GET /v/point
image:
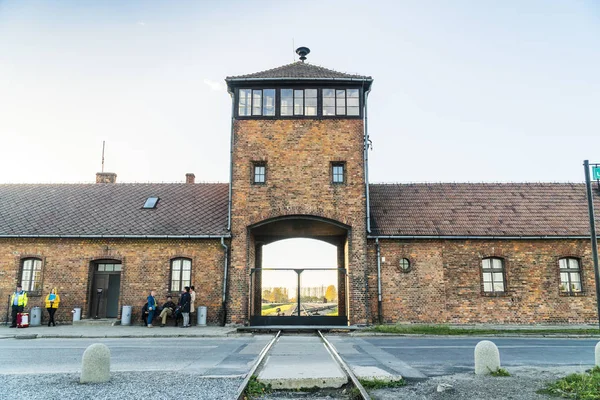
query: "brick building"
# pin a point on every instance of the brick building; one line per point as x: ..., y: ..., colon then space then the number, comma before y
x: 444, y: 253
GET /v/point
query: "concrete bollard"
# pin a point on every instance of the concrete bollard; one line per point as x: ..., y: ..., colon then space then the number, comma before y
x: 598, y: 354
x: 95, y: 366
x: 487, y: 358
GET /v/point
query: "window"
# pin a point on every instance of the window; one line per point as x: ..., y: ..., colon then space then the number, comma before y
x: 259, y: 173
x: 299, y: 102
x: 570, y: 275
x: 31, y: 275
x: 337, y: 172
x: 103, y: 267
x: 150, y: 202
x: 181, y: 274
x: 256, y: 102
x: 493, y: 275
x: 404, y: 264
x: 341, y: 102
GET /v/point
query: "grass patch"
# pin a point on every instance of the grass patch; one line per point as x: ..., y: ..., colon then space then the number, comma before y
x: 256, y: 389
x: 381, y: 384
x: 270, y: 305
x: 585, y: 386
x: 499, y: 372
x: 445, y: 330
x: 273, y: 310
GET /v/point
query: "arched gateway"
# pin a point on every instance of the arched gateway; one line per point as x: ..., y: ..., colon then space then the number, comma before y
x: 298, y: 157
x: 299, y: 293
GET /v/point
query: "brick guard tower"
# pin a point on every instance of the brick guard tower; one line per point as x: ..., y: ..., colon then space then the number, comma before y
x: 298, y: 170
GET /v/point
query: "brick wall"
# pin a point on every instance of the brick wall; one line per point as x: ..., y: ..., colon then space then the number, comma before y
x: 146, y: 265
x: 444, y: 284
x: 298, y: 154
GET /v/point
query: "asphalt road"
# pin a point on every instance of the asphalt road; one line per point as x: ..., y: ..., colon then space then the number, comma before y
x: 204, y: 356
x: 444, y: 356
x: 233, y: 357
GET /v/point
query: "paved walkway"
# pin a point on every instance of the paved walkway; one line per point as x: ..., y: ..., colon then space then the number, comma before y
x: 119, y: 331
x: 75, y: 331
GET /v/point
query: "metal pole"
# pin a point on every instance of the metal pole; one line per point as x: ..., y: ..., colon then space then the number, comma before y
x: 298, y: 271
x: 588, y: 185
x: 7, y: 309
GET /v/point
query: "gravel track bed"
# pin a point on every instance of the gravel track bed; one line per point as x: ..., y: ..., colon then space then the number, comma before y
x: 521, y: 385
x: 123, y: 386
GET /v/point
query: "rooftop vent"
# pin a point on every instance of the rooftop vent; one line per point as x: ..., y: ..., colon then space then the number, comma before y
x: 302, y: 52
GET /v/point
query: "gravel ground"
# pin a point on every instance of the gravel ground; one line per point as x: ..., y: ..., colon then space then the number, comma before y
x: 123, y: 386
x: 522, y: 385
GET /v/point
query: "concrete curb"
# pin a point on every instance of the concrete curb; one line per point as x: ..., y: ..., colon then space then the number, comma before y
x: 486, y: 335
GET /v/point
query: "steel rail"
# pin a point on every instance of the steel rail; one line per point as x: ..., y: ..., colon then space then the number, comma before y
x: 363, y: 393
x: 261, y: 356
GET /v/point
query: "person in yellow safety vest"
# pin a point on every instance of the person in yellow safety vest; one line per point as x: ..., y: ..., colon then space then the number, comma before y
x: 19, y: 302
x: 52, y: 302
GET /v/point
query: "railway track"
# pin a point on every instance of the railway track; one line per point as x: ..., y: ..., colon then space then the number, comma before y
x: 262, y: 359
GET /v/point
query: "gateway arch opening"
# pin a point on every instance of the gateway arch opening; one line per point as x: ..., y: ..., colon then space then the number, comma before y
x: 299, y: 275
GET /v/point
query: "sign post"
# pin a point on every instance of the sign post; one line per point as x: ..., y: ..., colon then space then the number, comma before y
x: 590, y: 199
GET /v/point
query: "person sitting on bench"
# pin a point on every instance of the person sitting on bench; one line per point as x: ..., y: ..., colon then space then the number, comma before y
x: 167, y: 311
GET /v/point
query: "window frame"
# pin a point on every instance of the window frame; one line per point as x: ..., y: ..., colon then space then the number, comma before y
x: 255, y: 165
x: 332, y: 167
x: 294, y: 86
x: 491, y: 270
x: 569, y: 271
x: 408, y: 262
x: 251, y: 107
x: 181, y: 281
x: 29, y: 285
x: 335, y: 102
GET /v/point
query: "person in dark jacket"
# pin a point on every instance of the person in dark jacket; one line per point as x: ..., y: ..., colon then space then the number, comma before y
x: 185, y: 301
x: 151, y: 308
x: 167, y: 310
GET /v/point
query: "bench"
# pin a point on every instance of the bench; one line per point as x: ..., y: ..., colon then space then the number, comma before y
x: 157, y: 320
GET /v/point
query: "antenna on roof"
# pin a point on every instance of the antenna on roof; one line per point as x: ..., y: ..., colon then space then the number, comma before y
x: 103, y: 156
x: 302, y: 52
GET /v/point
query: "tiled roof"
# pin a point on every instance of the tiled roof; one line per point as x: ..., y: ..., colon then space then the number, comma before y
x: 299, y: 70
x: 481, y: 209
x: 444, y: 209
x: 113, y: 209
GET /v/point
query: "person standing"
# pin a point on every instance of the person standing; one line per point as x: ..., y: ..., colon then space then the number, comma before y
x: 19, y: 302
x: 184, y: 302
x: 52, y: 302
x: 193, y: 300
x: 151, y: 308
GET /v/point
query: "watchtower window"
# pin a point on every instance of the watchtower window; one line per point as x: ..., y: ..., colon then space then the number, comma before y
x: 337, y: 172
x: 341, y: 102
x: 260, y: 173
x: 256, y: 102
x: 299, y: 102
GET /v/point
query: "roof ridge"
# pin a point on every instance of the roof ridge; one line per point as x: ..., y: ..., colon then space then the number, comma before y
x: 474, y: 183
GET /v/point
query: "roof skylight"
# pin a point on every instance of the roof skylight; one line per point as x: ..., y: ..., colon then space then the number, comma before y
x: 151, y: 202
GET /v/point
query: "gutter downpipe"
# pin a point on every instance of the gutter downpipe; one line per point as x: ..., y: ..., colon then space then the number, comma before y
x: 231, y: 161
x: 379, y: 298
x: 225, y: 267
x: 368, y: 212
x: 366, y: 161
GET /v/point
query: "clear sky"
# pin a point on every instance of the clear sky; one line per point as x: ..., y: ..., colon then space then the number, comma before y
x: 463, y: 91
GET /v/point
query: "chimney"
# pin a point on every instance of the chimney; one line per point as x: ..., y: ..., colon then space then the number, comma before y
x: 190, y: 178
x: 106, y: 177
